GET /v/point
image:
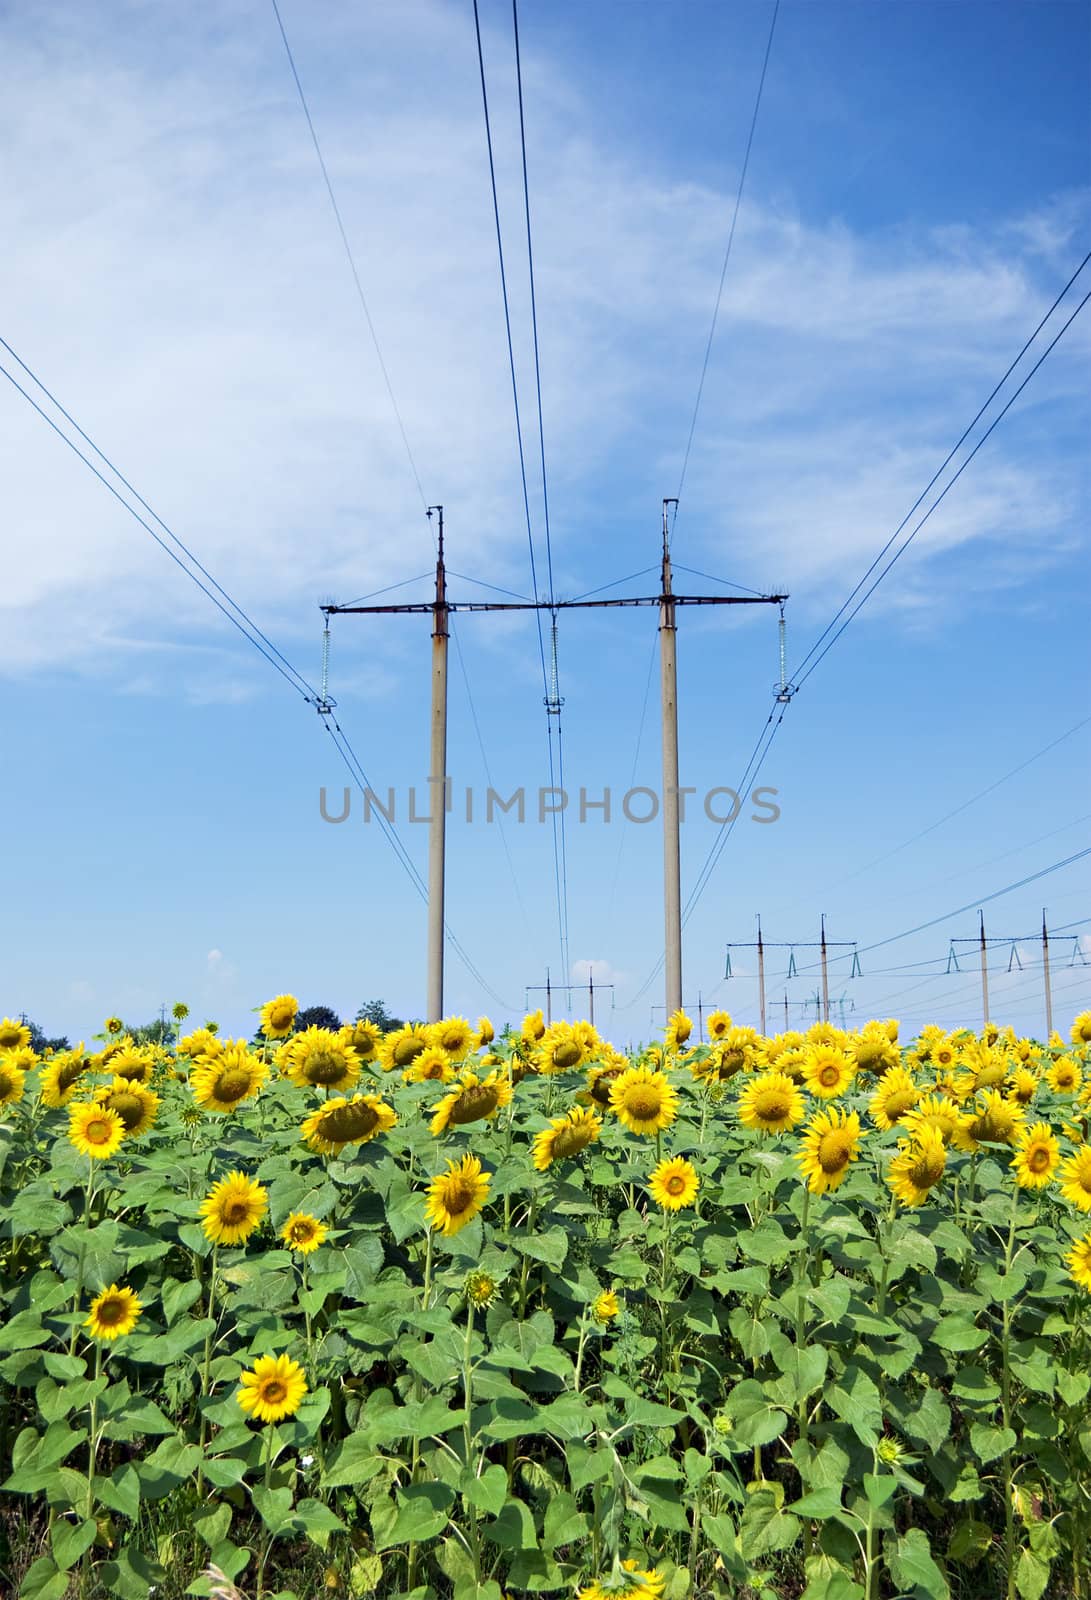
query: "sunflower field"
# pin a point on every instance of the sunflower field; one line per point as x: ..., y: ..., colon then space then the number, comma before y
x: 440, y: 1314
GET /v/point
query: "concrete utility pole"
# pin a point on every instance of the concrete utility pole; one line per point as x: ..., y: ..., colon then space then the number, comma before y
x: 1045, y: 970
x: 437, y: 779
x: 441, y: 609
x: 984, y: 974
x: 672, y: 860
x: 825, y: 975
x: 761, y: 979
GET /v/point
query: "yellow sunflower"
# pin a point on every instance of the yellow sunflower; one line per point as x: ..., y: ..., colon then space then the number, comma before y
x: 566, y: 1136
x: 95, y: 1131
x: 402, y: 1046
x: 362, y: 1036
x: 453, y: 1035
x: 1080, y: 1035
x: 318, y: 1059
x: 278, y: 1016
x: 1037, y: 1156
x: 1064, y: 1076
x: 457, y: 1195
x: 433, y: 1065
x: 828, y: 1071
x: 113, y: 1313
x: 600, y: 1080
x: 1023, y: 1085
x: 471, y: 1099
x: 626, y: 1582
x: 179, y: 1011
x: 533, y: 1027
x: 233, y: 1208
x: 113, y: 1025
x: 828, y: 1147
x: 480, y: 1288
x: 61, y: 1078
x: 994, y: 1120
x: 936, y: 1111
x: 825, y: 1033
x: 12, y: 1081
x: 1078, y: 1261
x: 222, y: 1082
x: 719, y: 1023
x: 273, y: 1389
x: 136, y: 1105
x: 201, y: 1042
x: 605, y: 1307
x: 485, y: 1034
x: 918, y: 1166
x: 643, y: 1100
x: 560, y: 1049
x: 1076, y: 1179
x: 770, y: 1103
x: 13, y: 1035
x: 674, y: 1183
x: 134, y: 1062
x: 303, y: 1233
x: 873, y: 1052
x: 896, y: 1094
x: 679, y: 1028
x: 340, y: 1122
x: 944, y: 1055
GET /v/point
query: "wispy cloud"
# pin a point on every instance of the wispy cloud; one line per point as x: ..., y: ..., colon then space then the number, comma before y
x: 172, y: 270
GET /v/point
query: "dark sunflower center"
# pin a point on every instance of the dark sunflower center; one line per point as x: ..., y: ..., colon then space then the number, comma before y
x: 129, y: 1107
x: 898, y: 1104
x: 643, y: 1104
x: 566, y: 1055
x: 452, y: 1040
x: 407, y: 1050
x: 344, y: 1124
x: 9, y: 1038
x: 236, y: 1212
x: 473, y: 1103
x: 111, y: 1312
x: 833, y: 1153
x: 302, y: 1232
x: 926, y: 1171
x: 323, y: 1067
x: 273, y: 1392
x: 569, y: 1141
x: 772, y: 1107
x: 7, y: 1082
x: 675, y: 1184
x: 458, y: 1197
x: 1038, y: 1159
x: 828, y: 1075
x: 600, y: 1092
x: 68, y: 1075
x: 98, y: 1130
x: 233, y: 1084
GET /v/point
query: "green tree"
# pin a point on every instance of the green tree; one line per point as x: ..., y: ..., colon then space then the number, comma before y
x: 375, y: 1011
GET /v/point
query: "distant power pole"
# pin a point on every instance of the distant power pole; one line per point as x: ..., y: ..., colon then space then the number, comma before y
x: 1045, y: 971
x: 672, y: 860
x: 824, y: 946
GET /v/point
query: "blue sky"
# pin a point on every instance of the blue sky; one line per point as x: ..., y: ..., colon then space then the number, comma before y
x: 919, y: 190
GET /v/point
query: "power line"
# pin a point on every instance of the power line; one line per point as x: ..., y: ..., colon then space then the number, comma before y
x: 361, y: 296
x: 936, y: 475
x: 349, y: 253
x: 255, y: 638
x: 558, y: 857
x: 727, y: 252
x: 950, y: 815
x: 553, y: 708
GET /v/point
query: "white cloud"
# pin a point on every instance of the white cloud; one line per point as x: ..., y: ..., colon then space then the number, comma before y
x: 173, y: 272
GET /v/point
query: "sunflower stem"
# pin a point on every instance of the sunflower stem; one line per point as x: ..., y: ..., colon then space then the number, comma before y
x: 206, y: 1367
x: 802, y: 1271
x: 1005, y: 1399
x: 468, y: 1436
